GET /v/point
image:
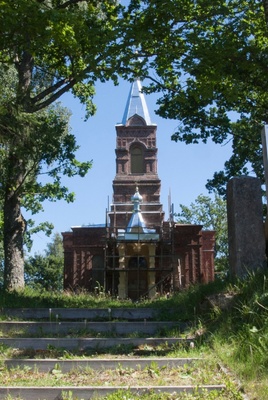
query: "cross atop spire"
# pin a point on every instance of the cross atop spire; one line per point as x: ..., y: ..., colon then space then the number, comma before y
x: 136, y: 104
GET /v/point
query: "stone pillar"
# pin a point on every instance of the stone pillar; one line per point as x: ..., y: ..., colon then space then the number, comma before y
x: 122, y: 287
x: 151, y: 274
x: 245, y: 225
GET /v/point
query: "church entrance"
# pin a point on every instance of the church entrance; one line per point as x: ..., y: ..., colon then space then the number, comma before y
x: 137, y: 277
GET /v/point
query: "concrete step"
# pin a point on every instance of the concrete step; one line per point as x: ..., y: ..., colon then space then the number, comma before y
x: 15, y: 328
x: 83, y: 313
x: 88, y: 343
x: 58, y: 321
x: 47, y: 365
x: 89, y: 392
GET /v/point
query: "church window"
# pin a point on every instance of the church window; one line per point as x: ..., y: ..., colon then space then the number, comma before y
x: 137, y: 163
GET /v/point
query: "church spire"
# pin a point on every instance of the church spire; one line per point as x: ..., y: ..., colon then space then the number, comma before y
x: 136, y: 104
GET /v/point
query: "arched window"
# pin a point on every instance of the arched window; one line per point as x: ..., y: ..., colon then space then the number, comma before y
x: 137, y: 164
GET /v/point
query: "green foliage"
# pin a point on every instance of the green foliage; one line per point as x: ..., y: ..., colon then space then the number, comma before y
x: 61, y: 43
x: 37, y: 144
x: 45, y: 146
x: 210, y: 59
x: 55, y: 248
x: 39, y: 297
x: 212, y: 214
x: 180, y: 306
x: 46, y: 272
x: 47, y: 48
x: 196, y: 395
x: 239, y: 333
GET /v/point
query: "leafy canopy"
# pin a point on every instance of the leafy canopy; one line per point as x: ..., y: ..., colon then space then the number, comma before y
x: 212, y: 214
x: 47, y: 48
x: 55, y: 45
x: 210, y: 60
x: 43, y: 144
x: 46, y: 271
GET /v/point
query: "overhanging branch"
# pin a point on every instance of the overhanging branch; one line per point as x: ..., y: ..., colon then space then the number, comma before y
x: 47, y: 102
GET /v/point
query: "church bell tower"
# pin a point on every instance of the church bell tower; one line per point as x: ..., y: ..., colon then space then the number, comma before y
x: 136, y: 164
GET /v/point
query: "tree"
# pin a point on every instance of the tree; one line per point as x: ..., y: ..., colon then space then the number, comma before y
x: 207, y: 59
x: 46, y: 271
x: 47, y: 48
x: 212, y: 214
x: 32, y: 145
x: 210, y: 60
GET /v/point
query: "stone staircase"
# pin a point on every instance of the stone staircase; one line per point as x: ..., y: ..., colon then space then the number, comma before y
x: 91, y: 353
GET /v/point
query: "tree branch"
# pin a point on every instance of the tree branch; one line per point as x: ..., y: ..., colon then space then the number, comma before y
x: 50, y: 90
x: 54, y: 97
x: 69, y: 3
x: 67, y: 84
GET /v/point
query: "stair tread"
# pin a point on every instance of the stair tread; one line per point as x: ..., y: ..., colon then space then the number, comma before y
x: 134, y: 320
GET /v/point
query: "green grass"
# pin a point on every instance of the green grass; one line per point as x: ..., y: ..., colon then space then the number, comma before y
x: 178, y: 350
x: 32, y: 298
x: 198, y: 394
x: 199, y: 373
x: 181, y: 306
x: 229, y: 394
x: 237, y: 334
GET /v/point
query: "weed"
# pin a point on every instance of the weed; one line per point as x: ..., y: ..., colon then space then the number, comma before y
x: 238, y: 335
x: 67, y: 395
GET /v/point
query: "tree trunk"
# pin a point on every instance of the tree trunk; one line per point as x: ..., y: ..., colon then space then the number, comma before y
x: 14, y: 223
x: 14, y: 229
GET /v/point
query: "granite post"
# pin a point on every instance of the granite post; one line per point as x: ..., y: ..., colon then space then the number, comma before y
x: 245, y: 226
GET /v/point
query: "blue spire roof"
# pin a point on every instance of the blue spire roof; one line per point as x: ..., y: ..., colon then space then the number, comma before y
x: 136, y: 104
x: 136, y: 223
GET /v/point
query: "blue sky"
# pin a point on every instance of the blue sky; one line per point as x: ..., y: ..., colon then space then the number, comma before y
x: 183, y: 169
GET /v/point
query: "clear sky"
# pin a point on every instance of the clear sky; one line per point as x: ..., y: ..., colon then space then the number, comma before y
x: 183, y: 169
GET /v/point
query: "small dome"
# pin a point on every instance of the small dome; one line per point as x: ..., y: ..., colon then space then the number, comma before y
x: 136, y: 223
x: 136, y: 197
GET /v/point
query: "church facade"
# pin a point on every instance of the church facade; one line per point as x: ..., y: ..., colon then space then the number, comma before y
x: 137, y: 253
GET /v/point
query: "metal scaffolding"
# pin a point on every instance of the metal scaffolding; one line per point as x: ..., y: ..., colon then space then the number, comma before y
x: 137, y: 265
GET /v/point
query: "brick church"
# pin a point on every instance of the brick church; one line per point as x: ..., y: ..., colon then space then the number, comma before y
x: 137, y: 253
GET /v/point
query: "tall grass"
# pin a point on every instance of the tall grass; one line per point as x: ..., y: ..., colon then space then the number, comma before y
x: 240, y: 334
x: 183, y: 303
x: 38, y: 298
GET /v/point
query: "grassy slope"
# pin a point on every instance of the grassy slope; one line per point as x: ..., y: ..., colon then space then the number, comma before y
x: 237, y: 330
